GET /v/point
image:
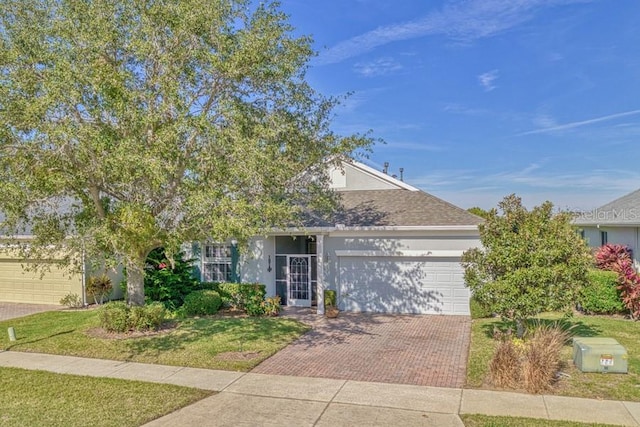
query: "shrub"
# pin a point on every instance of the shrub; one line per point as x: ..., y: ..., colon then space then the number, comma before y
x: 531, y: 364
x: 600, y: 295
x: 242, y: 296
x: 147, y: 317
x: 118, y: 317
x: 607, y: 256
x: 71, y: 301
x: 478, y: 309
x: 165, y: 284
x: 504, y: 368
x: 271, y: 306
x: 618, y: 258
x: 202, y: 303
x: 542, y: 357
x: 99, y: 287
x: 330, y: 298
x: 114, y: 317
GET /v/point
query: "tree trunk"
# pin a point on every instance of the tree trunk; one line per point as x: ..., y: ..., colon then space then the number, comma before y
x: 135, y: 282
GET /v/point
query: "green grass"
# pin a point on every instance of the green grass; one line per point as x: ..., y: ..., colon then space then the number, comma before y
x: 31, y: 398
x: 578, y: 384
x: 491, y: 421
x: 193, y: 343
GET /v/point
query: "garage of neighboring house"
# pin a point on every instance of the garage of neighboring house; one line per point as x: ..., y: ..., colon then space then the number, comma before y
x: 19, y: 283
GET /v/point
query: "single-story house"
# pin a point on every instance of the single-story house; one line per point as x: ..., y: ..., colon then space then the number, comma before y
x: 615, y: 222
x: 392, y: 248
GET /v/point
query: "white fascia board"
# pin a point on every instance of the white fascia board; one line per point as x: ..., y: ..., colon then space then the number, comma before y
x: 344, y: 229
x: 411, y: 228
x: 380, y: 175
x: 404, y: 253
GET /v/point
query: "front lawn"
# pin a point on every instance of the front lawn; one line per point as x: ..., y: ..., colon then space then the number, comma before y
x: 31, y: 398
x: 492, y: 421
x: 229, y: 343
x: 574, y: 383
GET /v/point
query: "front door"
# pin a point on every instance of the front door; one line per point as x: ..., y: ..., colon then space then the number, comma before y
x: 299, y: 280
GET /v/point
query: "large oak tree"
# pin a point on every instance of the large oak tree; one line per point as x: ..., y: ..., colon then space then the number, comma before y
x: 131, y: 125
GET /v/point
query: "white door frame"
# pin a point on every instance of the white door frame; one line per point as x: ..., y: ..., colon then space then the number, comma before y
x: 293, y: 278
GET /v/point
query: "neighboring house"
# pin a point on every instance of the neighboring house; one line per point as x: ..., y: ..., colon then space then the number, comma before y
x: 616, y: 222
x: 21, y: 282
x: 392, y: 249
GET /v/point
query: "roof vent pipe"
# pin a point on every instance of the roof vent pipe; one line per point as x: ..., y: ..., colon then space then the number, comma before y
x: 386, y: 168
x: 402, y: 174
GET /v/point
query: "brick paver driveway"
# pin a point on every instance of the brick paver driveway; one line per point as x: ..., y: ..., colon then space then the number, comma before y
x: 403, y: 349
x: 11, y: 310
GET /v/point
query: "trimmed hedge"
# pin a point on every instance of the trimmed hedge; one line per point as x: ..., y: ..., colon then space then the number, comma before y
x: 600, y: 295
x: 117, y: 316
x: 202, y: 303
x: 244, y: 296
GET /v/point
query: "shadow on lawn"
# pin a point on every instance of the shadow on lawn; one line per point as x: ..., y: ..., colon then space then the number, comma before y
x: 576, y: 327
x: 229, y: 334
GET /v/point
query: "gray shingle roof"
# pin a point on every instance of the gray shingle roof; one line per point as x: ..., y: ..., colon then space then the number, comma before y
x: 378, y: 208
x: 622, y: 211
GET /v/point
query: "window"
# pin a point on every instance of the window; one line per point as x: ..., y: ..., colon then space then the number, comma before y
x: 604, y: 239
x: 216, y: 263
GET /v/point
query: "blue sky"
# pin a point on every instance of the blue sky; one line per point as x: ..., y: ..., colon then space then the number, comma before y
x: 477, y: 99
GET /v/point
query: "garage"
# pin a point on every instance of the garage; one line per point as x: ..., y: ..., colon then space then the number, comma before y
x: 395, y: 284
x: 48, y: 287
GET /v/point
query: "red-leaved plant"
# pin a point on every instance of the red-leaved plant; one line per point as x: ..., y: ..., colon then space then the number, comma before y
x: 619, y: 258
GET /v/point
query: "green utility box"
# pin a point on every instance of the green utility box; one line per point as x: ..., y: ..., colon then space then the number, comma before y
x: 596, y: 354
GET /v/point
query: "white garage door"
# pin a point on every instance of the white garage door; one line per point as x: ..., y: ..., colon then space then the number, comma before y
x: 403, y: 285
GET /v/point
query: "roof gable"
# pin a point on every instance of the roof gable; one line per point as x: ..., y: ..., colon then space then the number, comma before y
x: 355, y: 176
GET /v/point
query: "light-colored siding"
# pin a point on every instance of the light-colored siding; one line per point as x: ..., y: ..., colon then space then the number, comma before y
x: 402, y: 285
x: 47, y: 287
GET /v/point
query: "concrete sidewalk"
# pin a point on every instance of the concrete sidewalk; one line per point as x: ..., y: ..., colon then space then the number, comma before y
x: 258, y: 399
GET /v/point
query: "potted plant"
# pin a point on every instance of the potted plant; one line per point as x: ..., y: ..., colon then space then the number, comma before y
x: 330, y: 305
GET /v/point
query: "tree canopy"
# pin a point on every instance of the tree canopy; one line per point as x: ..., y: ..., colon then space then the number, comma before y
x: 531, y: 261
x: 131, y: 125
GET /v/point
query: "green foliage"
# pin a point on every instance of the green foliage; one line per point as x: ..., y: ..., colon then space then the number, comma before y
x: 479, y: 212
x: 271, y: 306
x: 117, y: 316
x: 243, y: 296
x: 114, y: 317
x: 330, y: 298
x: 71, y: 300
x: 166, y: 284
x: 531, y: 261
x: 147, y: 317
x: 600, y: 295
x: 155, y: 118
x: 478, y: 309
x: 202, y: 303
x: 99, y: 287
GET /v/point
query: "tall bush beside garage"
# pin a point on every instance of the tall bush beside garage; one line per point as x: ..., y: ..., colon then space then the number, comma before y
x: 530, y: 261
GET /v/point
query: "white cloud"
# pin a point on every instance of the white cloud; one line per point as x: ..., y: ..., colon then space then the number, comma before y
x: 572, y: 125
x: 487, y: 80
x: 567, y: 190
x: 379, y: 67
x: 463, y: 20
